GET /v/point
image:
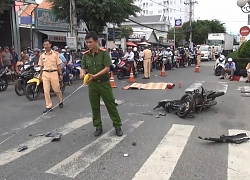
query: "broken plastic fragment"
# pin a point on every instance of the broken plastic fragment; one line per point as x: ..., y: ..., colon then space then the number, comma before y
x: 237, y: 139
x: 22, y: 148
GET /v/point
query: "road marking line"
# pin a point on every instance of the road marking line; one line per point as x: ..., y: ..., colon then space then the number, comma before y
x: 238, y: 158
x: 243, y: 88
x: 222, y: 87
x: 35, y: 143
x: 80, y: 160
x: 161, y: 164
x: 194, y: 86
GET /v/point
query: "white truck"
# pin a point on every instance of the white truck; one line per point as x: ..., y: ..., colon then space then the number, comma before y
x: 222, y: 42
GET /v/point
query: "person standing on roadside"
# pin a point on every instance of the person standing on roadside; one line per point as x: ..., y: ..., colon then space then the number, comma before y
x: 98, y: 63
x: 35, y: 58
x: 147, y: 55
x: 14, y: 58
x: 198, y: 56
x: 7, y: 58
x: 213, y: 53
x: 50, y: 68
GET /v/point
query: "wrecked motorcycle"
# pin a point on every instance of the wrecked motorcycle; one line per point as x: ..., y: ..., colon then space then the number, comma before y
x: 192, y: 101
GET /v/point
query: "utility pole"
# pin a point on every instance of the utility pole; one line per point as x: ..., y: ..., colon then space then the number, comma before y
x: 73, y: 21
x: 191, y: 8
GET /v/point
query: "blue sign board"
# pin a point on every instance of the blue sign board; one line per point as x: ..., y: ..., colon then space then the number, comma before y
x: 47, y: 21
x: 178, y: 23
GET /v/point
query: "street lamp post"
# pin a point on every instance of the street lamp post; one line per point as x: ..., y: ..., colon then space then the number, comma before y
x: 244, y: 5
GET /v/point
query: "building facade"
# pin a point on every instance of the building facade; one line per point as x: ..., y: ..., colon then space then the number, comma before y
x: 143, y: 25
x: 172, y: 9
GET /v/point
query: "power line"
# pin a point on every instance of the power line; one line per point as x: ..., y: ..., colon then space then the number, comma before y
x: 154, y: 28
x: 167, y: 6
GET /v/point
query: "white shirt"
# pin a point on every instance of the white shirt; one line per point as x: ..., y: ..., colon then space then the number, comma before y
x: 169, y: 54
x: 129, y: 56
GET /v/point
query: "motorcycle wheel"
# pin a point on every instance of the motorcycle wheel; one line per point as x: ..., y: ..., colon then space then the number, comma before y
x: 20, y: 88
x: 158, y: 66
x: 185, y: 106
x: 119, y: 75
x: 32, y: 91
x: 3, y: 84
x: 218, y: 71
x: 215, y: 95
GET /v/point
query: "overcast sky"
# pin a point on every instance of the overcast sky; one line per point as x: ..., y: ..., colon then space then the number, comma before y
x: 226, y: 11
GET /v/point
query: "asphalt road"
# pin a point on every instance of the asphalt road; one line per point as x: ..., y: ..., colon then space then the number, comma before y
x: 166, y: 148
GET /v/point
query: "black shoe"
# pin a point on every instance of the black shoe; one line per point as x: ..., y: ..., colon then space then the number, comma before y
x: 47, y: 110
x: 98, y: 132
x: 61, y: 105
x: 119, y: 132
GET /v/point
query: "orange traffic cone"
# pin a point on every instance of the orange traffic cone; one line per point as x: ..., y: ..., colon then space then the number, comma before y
x: 180, y: 84
x: 197, y: 69
x: 131, y: 77
x: 112, y: 80
x: 163, y: 72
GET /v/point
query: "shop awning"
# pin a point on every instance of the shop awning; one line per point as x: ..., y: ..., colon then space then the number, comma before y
x: 55, y: 36
x: 61, y: 36
x: 130, y: 44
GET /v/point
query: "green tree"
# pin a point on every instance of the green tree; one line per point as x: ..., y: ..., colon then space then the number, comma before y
x: 126, y: 31
x: 200, y: 30
x: 96, y: 13
x: 244, y: 50
x: 179, y: 35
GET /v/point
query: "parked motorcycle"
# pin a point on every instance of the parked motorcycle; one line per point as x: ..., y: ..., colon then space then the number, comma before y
x: 3, y: 80
x: 34, y: 86
x: 219, y: 65
x: 124, y: 69
x: 26, y: 75
x: 179, y: 61
x: 114, y: 67
x: 139, y: 65
x: 192, y: 101
x: 163, y: 59
x: 76, y: 70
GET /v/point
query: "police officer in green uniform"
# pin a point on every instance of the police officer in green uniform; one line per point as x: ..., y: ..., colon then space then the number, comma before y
x: 98, y: 62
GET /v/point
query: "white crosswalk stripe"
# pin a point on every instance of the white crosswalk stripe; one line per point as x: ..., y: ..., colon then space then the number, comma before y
x: 79, y: 161
x: 238, y: 159
x: 160, y: 164
x: 37, y: 142
x: 165, y: 157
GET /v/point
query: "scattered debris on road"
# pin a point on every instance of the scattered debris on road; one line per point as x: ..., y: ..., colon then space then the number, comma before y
x: 125, y: 155
x: 117, y: 102
x: 134, y: 144
x: 22, y: 148
x: 237, y: 139
x: 55, y: 135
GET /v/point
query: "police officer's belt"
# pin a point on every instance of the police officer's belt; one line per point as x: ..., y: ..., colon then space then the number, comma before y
x: 100, y: 80
x: 49, y: 70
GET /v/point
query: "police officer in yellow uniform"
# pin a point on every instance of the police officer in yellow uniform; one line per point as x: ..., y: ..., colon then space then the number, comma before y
x: 98, y: 62
x: 213, y: 54
x: 51, y: 74
x: 198, y: 55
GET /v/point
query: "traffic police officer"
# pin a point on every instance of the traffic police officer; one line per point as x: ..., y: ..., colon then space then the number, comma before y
x: 198, y: 55
x: 50, y: 68
x: 213, y: 53
x: 98, y: 62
